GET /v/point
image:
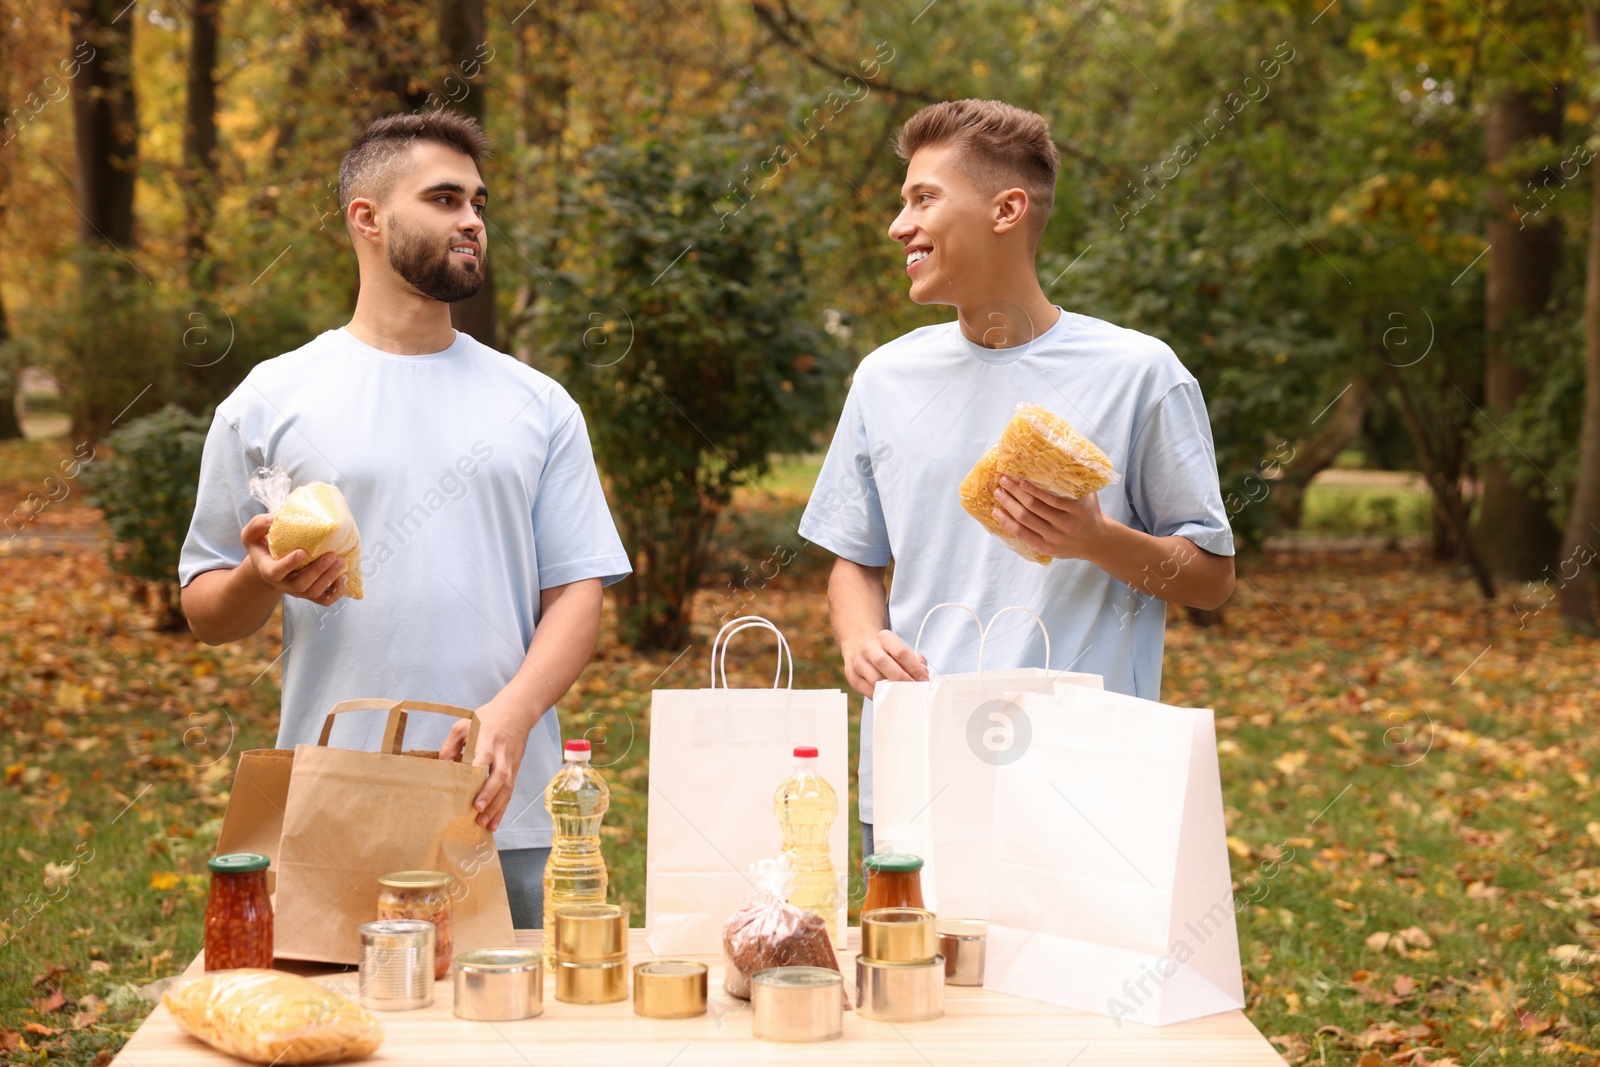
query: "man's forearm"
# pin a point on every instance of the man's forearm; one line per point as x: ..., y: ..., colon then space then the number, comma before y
x: 1173, y: 568
x: 563, y: 641
x: 857, y: 602
x: 228, y: 604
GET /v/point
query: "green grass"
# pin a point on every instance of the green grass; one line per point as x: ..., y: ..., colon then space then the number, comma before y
x: 1366, y: 509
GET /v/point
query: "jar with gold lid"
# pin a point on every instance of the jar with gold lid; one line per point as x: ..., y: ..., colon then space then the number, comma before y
x: 423, y: 895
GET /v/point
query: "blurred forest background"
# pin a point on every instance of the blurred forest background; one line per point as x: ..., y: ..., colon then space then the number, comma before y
x: 1368, y: 228
x: 1362, y: 226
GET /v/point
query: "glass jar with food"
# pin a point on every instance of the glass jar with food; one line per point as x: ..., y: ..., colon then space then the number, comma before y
x: 421, y: 895
x: 238, y: 922
x: 894, y: 880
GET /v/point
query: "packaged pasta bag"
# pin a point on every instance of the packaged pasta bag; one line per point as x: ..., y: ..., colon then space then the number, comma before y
x: 1043, y: 449
x: 314, y: 517
x: 770, y: 932
x: 272, y: 1017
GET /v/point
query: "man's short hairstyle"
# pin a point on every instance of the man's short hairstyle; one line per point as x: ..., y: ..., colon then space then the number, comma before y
x: 375, y: 160
x: 998, y: 147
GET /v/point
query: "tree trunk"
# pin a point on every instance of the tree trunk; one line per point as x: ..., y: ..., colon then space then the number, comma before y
x: 461, y: 50
x: 199, y: 172
x: 1583, y: 518
x: 1515, y: 532
x: 106, y: 123
x: 668, y: 537
x: 1316, y: 453
x: 544, y: 58
x: 106, y: 134
x: 10, y: 425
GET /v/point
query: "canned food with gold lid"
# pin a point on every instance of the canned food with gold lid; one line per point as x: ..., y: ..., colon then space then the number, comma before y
x: 669, y: 989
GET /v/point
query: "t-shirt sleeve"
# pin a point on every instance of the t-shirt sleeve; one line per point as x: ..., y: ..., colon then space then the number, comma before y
x: 1172, y: 473
x: 573, y: 532
x: 222, y: 504
x: 845, y: 512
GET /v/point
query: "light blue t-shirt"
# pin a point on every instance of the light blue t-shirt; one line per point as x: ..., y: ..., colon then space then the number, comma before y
x: 472, y: 483
x: 922, y: 410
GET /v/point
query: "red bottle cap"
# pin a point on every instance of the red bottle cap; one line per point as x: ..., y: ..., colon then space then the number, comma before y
x: 577, y: 746
x: 805, y: 752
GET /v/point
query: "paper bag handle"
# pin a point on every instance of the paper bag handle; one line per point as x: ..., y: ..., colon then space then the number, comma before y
x: 394, y: 730
x: 917, y: 645
x: 719, y: 649
x: 1025, y: 611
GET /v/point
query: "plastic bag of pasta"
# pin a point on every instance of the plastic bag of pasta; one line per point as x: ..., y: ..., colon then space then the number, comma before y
x: 314, y: 517
x: 770, y: 932
x: 272, y: 1017
x: 1044, y: 450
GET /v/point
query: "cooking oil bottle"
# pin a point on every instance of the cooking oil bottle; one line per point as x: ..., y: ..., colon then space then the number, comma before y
x: 577, y: 799
x: 806, y: 806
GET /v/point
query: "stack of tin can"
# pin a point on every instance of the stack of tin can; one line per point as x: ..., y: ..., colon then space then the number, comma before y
x: 900, y: 973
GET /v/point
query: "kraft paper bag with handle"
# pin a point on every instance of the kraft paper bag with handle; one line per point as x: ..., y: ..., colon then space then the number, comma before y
x: 1112, y: 890
x: 717, y: 757
x: 353, y: 816
x: 936, y: 746
x: 253, y: 821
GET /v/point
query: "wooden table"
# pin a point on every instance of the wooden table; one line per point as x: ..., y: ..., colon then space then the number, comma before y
x: 978, y: 1027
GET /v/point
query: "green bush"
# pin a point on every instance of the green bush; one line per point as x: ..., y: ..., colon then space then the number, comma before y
x: 146, y: 489
x: 684, y: 332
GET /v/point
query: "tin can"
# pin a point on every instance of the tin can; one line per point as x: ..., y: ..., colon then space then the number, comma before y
x: 797, y: 1004
x: 963, y: 943
x: 900, y: 992
x: 396, y: 964
x: 899, y: 935
x: 498, y: 984
x: 669, y: 989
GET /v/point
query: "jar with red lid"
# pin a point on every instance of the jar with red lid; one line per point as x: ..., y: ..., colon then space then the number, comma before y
x: 238, y: 922
x: 894, y: 880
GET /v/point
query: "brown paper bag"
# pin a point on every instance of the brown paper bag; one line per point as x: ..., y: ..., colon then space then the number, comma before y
x: 351, y: 817
x: 253, y: 821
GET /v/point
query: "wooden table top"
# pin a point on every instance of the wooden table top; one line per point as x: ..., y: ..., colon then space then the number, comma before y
x: 978, y: 1027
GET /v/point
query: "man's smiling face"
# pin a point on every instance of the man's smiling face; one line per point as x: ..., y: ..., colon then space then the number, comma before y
x: 945, y: 225
x: 436, y: 237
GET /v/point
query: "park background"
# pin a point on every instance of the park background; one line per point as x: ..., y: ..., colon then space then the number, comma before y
x: 1368, y: 228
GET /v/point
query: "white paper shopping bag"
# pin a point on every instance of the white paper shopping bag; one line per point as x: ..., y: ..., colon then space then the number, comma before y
x: 936, y: 746
x: 717, y: 757
x: 1111, y: 885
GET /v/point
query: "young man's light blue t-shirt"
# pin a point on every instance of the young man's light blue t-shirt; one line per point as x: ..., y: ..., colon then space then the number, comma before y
x: 920, y: 412
x: 472, y: 483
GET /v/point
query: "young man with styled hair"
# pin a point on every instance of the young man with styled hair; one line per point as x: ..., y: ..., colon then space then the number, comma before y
x: 486, y: 537
x: 979, y: 186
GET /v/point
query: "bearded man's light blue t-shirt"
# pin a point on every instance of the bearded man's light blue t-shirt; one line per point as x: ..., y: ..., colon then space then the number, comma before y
x: 472, y: 482
x: 920, y: 412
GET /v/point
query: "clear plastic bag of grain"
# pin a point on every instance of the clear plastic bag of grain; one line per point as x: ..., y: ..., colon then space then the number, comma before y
x: 272, y: 1017
x: 1043, y: 449
x: 770, y: 932
x: 315, y: 517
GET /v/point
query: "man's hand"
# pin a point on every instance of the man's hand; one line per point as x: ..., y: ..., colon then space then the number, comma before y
x: 502, y: 739
x: 881, y: 657
x: 319, y: 580
x: 1054, y: 525
x: 1171, y: 568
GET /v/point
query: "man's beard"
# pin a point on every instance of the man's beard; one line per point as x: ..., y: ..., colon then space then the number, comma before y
x: 415, y: 257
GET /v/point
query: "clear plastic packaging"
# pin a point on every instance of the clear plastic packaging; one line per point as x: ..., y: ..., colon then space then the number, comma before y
x: 768, y: 932
x: 1043, y: 449
x: 315, y: 517
x: 272, y: 1017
